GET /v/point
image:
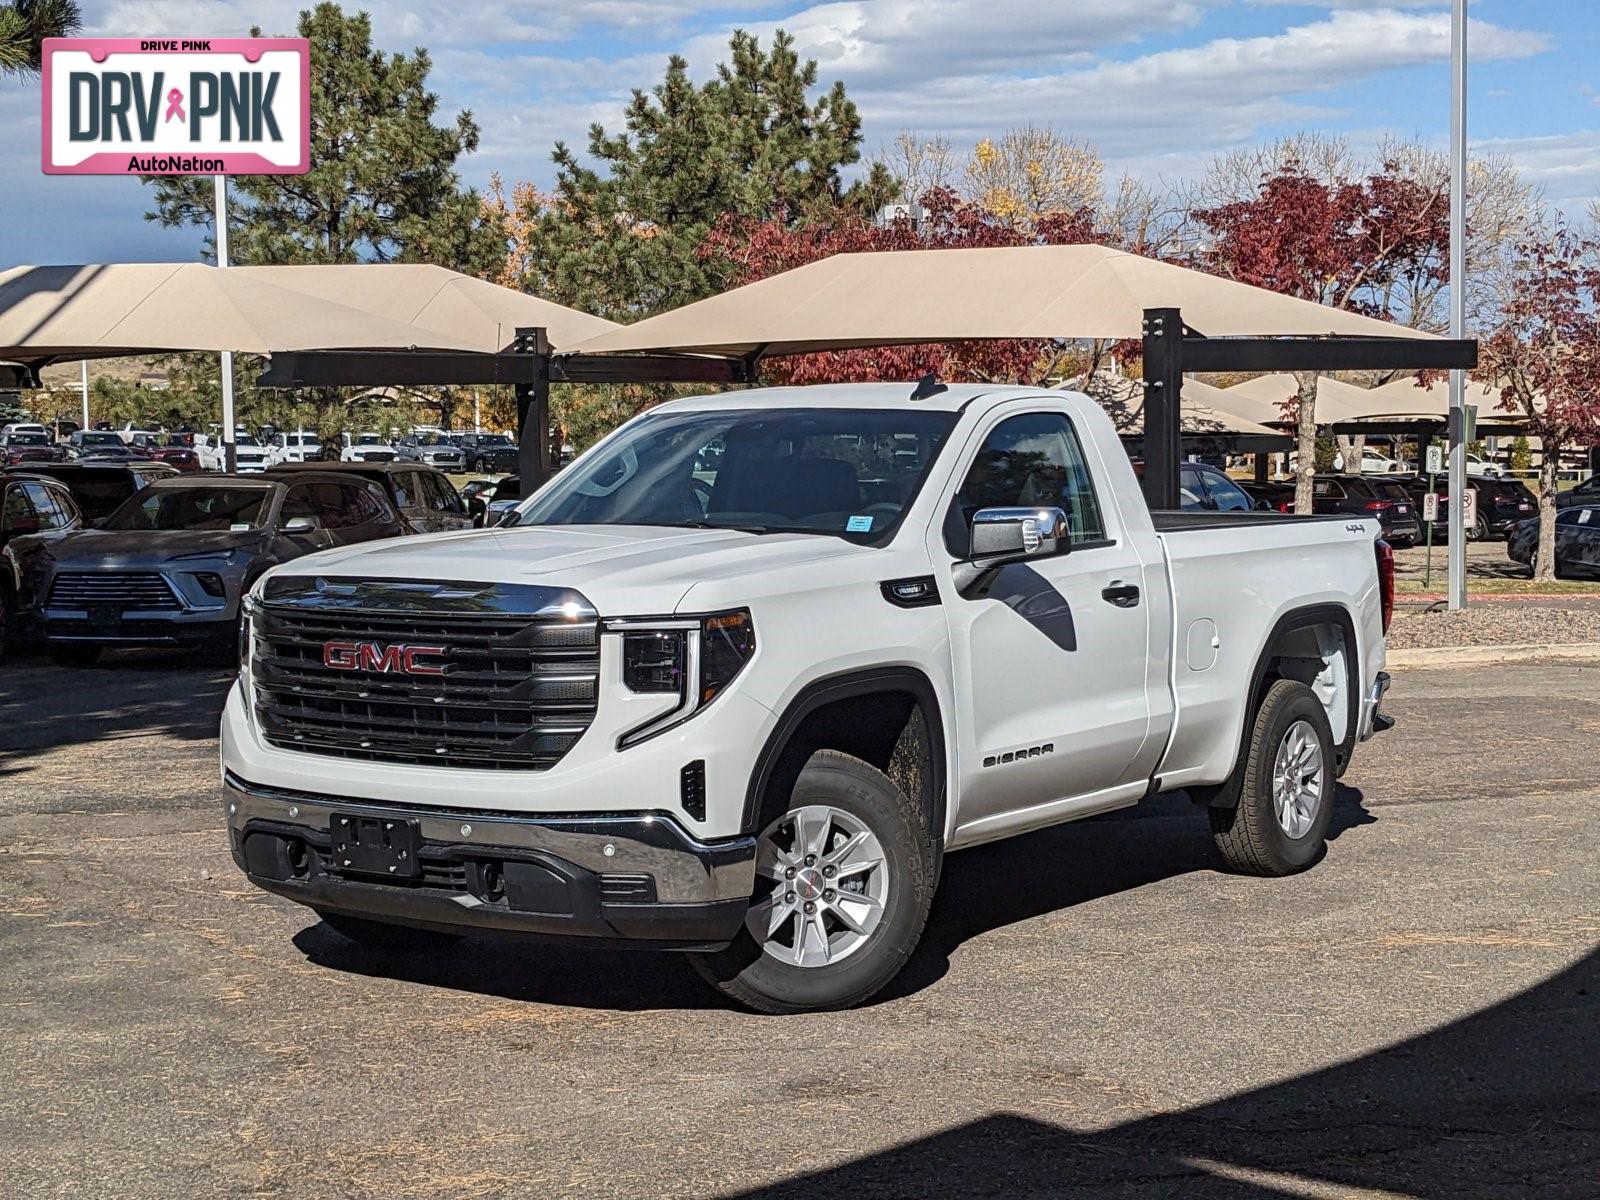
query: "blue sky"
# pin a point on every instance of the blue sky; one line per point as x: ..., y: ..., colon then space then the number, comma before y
x: 1159, y: 86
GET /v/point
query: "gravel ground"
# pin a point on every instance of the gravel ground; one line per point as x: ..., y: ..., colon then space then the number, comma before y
x: 1497, y: 622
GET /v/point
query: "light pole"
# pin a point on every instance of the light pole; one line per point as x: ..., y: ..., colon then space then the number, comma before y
x: 230, y: 452
x: 1458, y: 300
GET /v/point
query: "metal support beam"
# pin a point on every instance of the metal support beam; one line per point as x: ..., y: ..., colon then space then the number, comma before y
x: 533, y: 410
x: 1163, y: 380
x: 647, y: 368
x: 380, y: 368
x: 1269, y: 354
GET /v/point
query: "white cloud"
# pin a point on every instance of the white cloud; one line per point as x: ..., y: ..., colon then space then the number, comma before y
x: 1565, y: 165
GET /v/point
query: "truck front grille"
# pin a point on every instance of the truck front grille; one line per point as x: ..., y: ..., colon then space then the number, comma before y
x: 516, y: 692
x: 128, y: 591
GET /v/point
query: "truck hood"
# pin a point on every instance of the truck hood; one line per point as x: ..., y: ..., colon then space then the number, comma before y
x: 623, y: 570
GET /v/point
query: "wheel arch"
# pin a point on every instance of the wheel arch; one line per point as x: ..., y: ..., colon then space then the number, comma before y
x: 869, y: 714
x: 1292, y: 635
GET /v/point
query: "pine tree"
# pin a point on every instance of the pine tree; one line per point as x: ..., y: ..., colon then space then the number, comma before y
x: 382, y: 184
x: 622, y: 238
x: 24, y: 24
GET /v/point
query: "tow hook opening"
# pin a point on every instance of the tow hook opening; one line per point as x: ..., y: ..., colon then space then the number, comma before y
x: 490, y: 882
x: 298, y: 856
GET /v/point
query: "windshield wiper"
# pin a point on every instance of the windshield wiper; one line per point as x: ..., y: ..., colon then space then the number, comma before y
x: 720, y: 525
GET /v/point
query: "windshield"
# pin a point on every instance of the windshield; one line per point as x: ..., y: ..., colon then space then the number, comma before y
x: 493, y: 439
x: 93, y: 438
x: 368, y: 439
x: 193, y: 508
x: 301, y: 439
x: 29, y: 439
x: 434, y: 439
x: 846, y: 472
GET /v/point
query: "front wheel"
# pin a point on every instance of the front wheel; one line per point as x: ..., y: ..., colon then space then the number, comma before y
x: 844, y: 880
x: 1280, y: 823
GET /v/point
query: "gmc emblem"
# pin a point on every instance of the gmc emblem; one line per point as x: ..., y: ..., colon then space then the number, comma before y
x: 370, y: 656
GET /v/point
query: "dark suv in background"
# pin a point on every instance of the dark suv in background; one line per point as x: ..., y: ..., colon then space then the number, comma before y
x: 491, y: 452
x: 425, y: 499
x: 1370, y: 496
x: 1501, y: 504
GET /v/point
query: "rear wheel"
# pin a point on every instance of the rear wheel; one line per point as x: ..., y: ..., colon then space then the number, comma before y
x: 844, y: 880
x: 377, y: 935
x: 1480, y: 529
x: 71, y: 654
x: 1280, y: 823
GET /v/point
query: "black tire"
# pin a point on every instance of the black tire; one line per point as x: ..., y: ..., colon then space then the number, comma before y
x: 761, y: 981
x: 1249, y: 834
x: 391, y: 939
x: 73, y: 654
x: 1480, y: 529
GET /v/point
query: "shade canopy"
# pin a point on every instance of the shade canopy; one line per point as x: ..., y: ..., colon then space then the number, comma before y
x: 1337, y: 402
x: 115, y: 309
x: 1205, y: 410
x: 436, y: 301
x: 907, y: 296
x: 1403, y: 398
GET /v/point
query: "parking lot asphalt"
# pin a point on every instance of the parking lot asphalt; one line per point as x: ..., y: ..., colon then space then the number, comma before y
x: 1096, y: 1010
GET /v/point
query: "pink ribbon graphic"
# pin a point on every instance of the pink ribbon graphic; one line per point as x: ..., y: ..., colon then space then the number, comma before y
x: 175, y: 106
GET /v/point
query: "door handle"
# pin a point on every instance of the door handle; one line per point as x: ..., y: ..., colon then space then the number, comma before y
x: 1123, y: 595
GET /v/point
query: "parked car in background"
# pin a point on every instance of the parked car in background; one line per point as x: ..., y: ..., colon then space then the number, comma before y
x: 493, y: 502
x: 297, y: 446
x: 1206, y: 488
x: 1375, y: 463
x: 63, y: 428
x: 98, y: 488
x: 175, y: 453
x: 435, y: 449
x: 249, y: 453
x: 134, y: 435
x: 170, y: 565
x: 1478, y: 465
x: 424, y: 498
x: 41, y: 510
x: 1577, y: 542
x: 487, y: 451
x: 470, y: 491
x: 85, y: 441
x: 1362, y: 496
x: 12, y: 427
x: 366, y: 447
x: 27, y: 445
x: 1275, y: 494
x: 1501, y: 503
x: 1587, y: 492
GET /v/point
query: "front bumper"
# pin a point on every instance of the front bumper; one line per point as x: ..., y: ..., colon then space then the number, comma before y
x: 637, y: 877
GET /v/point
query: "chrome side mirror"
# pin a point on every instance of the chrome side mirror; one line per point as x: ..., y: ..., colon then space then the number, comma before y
x: 1023, y: 532
x: 300, y: 525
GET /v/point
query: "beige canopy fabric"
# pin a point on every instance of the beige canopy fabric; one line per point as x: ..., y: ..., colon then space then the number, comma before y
x: 1337, y: 401
x: 472, y: 312
x: 905, y: 296
x: 113, y: 309
x: 1203, y: 409
x: 1403, y: 398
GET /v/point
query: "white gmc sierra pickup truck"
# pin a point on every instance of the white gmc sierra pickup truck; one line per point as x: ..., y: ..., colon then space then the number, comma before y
x: 737, y: 679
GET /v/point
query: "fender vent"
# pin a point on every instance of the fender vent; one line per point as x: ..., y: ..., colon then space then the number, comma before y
x: 692, y: 789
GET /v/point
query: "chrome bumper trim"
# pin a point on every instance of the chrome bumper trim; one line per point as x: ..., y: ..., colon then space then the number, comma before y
x: 686, y: 871
x: 1372, y: 720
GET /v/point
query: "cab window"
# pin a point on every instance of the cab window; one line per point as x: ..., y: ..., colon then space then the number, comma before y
x: 1028, y: 461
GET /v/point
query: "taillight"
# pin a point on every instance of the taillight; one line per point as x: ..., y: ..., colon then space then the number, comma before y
x: 1286, y: 508
x: 1385, y: 580
x: 1379, y: 505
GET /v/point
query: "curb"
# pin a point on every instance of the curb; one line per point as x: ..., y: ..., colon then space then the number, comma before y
x: 1459, y: 656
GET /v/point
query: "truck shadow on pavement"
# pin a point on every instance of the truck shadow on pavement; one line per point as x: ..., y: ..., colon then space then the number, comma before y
x: 1052, y: 870
x: 1503, y: 1103
x: 44, y: 707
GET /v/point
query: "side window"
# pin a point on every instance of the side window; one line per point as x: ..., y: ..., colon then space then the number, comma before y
x: 53, y: 514
x: 18, y: 516
x: 1327, y: 489
x: 440, y: 496
x: 1192, y: 490
x: 1226, y: 495
x: 1028, y: 461
x: 351, y: 505
x: 405, y: 489
x: 298, y: 502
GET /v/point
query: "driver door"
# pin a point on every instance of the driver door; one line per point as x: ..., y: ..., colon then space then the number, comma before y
x: 1049, y: 654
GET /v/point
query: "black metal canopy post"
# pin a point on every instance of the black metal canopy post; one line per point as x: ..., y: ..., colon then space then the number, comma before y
x: 1163, y: 421
x: 533, y: 411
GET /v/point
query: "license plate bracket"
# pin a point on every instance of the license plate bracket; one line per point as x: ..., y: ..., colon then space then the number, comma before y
x: 368, y: 845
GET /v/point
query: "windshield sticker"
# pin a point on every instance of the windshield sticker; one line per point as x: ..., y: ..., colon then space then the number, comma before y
x: 239, y: 527
x: 858, y: 525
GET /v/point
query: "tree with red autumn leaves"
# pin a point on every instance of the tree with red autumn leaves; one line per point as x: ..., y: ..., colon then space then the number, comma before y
x: 758, y: 249
x: 1348, y: 245
x: 1545, y: 356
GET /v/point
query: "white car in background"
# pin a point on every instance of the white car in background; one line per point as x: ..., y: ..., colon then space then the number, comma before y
x: 251, y: 454
x: 365, y: 447
x: 1483, y: 467
x: 298, y: 446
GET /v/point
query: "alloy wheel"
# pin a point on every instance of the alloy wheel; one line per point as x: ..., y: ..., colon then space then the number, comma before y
x: 829, y: 886
x: 1297, y: 779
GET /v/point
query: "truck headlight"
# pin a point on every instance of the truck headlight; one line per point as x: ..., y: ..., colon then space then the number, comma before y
x: 695, y: 657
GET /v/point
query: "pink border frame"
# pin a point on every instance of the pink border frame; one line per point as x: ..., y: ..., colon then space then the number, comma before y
x: 236, y: 163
